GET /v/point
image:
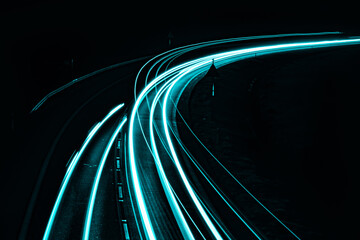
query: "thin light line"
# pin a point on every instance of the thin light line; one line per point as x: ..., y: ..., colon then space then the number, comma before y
x: 90, y: 208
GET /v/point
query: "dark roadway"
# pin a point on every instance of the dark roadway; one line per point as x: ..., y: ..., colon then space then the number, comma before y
x: 39, y: 39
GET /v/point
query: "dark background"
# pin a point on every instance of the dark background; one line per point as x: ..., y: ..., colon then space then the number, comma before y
x: 39, y: 39
x: 45, y: 44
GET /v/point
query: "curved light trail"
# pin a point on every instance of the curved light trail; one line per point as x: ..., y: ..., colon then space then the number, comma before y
x: 161, y: 150
x: 73, y: 163
x: 95, y: 186
x: 156, y: 93
x: 172, y: 54
x: 184, y: 178
x: 82, y: 78
x: 166, y: 185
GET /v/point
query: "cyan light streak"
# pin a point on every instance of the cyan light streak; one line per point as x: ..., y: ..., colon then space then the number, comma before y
x: 185, y: 230
x: 171, y: 195
x: 181, y: 171
x: 187, y: 213
x: 229, y: 55
x: 166, y: 99
x: 90, y: 208
x: 184, y: 49
x: 147, y: 225
x: 71, y: 168
x: 207, y: 177
x: 188, y: 69
x: 145, y: 220
x: 184, y: 178
x: 133, y: 207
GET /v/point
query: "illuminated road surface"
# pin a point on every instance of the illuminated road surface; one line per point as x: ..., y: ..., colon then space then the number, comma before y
x: 169, y: 195
x: 77, y: 194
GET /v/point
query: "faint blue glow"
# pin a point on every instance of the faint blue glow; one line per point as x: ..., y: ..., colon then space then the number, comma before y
x: 187, y: 213
x: 90, y: 208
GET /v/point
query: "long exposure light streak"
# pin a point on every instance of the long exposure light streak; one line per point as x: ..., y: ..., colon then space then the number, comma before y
x: 73, y: 163
x: 164, y: 181
x: 181, y: 171
x: 184, y: 178
x: 184, y: 49
x: 148, y: 226
x: 95, y: 186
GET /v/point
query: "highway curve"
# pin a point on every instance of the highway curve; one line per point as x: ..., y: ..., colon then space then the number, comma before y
x: 161, y: 190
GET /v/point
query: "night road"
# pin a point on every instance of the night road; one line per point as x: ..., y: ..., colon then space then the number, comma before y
x: 135, y: 151
x: 179, y: 120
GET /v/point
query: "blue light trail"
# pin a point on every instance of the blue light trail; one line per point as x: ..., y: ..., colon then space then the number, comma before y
x: 73, y: 163
x: 95, y: 186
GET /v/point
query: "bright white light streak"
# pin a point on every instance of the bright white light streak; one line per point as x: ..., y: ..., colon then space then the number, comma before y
x: 186, y: 182
x: 184, y: 227
x: 71, y: 169
x: 90, y: 208
x: 147, y: 225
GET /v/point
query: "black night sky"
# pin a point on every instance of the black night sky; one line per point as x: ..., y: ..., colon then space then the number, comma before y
x: 39, y: 38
